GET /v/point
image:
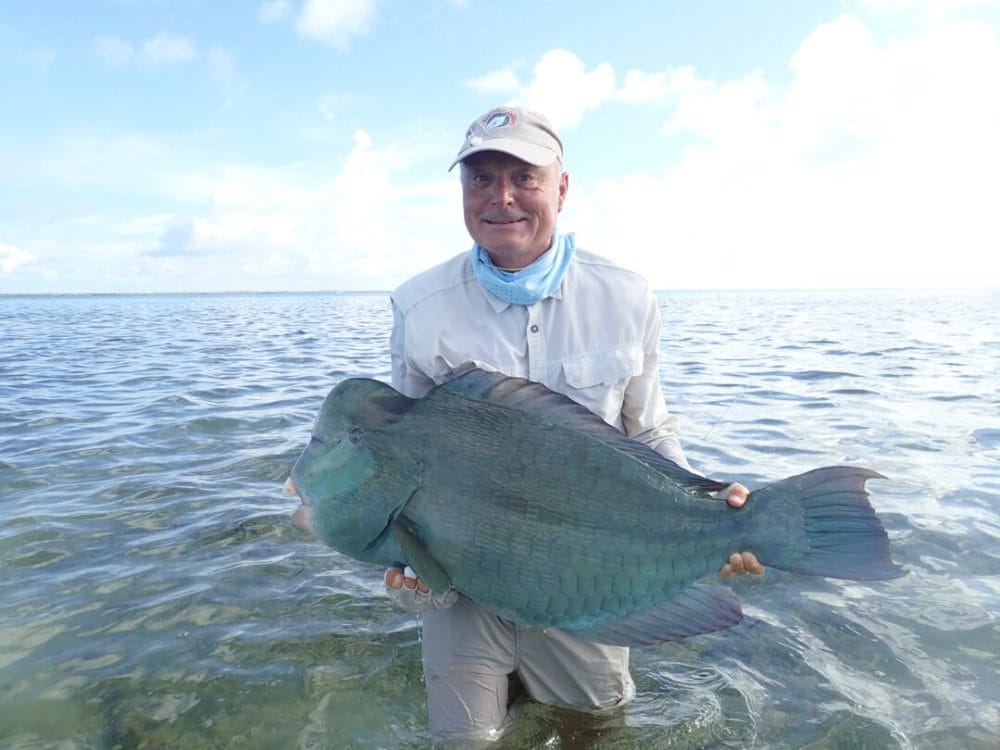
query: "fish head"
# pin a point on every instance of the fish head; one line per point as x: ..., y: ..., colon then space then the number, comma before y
x: 351, y: 477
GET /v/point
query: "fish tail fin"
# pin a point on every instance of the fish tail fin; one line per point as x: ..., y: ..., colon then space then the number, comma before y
x: 821, y: 523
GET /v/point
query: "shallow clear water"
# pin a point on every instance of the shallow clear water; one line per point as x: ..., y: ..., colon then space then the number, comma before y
x: 154, y: 594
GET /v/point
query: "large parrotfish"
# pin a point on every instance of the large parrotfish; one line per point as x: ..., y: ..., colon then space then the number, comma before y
x: 527, y: 503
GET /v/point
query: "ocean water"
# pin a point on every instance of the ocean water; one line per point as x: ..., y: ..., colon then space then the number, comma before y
x: 153, y: 593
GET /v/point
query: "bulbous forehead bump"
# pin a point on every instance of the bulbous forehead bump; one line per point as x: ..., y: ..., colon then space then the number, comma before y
x: 365, y: 402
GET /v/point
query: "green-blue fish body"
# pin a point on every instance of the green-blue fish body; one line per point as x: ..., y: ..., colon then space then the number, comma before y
x: 530, y: 505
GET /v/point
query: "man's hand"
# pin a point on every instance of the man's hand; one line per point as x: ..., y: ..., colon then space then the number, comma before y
x: 739, y: 562
x: 413, y: 595
x: 735, y: 494
x: 396, y: 579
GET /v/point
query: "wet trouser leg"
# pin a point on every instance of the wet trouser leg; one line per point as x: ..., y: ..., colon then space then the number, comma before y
x: 469, y: 652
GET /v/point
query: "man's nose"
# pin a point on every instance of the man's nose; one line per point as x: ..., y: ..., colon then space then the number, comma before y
x: 503, y: 191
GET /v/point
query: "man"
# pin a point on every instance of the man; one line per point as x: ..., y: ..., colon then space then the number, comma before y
x: 526, y: 302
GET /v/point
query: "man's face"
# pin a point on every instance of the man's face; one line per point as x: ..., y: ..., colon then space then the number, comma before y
x: 511, y: 206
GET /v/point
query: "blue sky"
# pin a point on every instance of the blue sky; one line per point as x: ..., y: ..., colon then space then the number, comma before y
x: 214, y: 145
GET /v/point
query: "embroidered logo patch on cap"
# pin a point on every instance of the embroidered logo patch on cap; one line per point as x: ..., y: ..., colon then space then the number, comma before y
x: 500, y: 119
x: 522, y: 133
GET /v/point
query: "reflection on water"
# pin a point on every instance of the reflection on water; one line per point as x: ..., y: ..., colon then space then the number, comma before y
x: 155, y: 595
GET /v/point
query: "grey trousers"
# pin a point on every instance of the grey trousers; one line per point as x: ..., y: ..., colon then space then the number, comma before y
x: 468, y: 653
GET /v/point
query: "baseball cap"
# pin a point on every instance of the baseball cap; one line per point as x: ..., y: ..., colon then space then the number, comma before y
x: 523, y: 133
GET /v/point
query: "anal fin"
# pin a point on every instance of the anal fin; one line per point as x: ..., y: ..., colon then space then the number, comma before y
x: 698, y: 609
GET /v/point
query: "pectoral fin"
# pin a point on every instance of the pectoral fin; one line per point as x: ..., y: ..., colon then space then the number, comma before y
x: 698, y: 609
x: 407, y: 536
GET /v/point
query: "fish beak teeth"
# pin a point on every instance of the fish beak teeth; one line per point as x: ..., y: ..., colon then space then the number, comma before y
x: 302, y: 519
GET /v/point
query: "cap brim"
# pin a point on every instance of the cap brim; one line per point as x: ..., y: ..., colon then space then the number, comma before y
x: 540, y: 156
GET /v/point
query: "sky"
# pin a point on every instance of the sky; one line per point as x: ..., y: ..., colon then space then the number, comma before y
x: 303, y: 145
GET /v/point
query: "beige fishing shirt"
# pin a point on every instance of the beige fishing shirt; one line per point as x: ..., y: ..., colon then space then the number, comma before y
x: 596, y: 340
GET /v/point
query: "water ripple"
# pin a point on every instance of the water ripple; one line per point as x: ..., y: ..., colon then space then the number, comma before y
x: 155, y: 594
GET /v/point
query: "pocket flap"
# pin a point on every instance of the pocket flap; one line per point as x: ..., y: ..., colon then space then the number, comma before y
x: 607, y: 367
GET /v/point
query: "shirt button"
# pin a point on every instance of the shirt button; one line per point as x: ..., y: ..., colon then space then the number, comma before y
x: 534, y: 329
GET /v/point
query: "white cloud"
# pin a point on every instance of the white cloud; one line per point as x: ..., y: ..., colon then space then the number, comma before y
x: 888, y: 6
x: 221, y: 65
x: 875, y: 168
x: 362, y: 192
x: 37, y: 58
x: 925, y: 99
x: 160, y: 49
x: 565, y: 90
x: 144, y: 225
x: 561, y: 87
x: 335, y: 22
x: 113, y: 50
x: 11, y: 258
x: 840, y: 79
x: 496, y: 82
x: 640, y: 86
x: 273, y: 10
x: 934, y: 9
x: 364, y: 223
x: 235, y: 209
x: 333, y: 106
x: 711, y: 110
x: 167, y: 49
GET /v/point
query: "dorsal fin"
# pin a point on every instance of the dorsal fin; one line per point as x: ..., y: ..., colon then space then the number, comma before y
x: 534, y: 398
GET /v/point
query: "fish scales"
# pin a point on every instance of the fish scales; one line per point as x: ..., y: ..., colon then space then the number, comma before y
x: 533, y: 507
x: 537, y: 508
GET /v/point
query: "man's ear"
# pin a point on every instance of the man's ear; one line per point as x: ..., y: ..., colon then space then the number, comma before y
x: 563, y: 188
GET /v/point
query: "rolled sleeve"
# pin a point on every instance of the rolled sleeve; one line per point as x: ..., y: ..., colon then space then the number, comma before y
x: 644, y: 411
x: 405, y: 377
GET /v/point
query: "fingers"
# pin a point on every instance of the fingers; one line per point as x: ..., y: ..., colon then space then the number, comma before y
x: 411, y: 595
x: 751, y: 564
x: 396, y: 579
x: 740, y: 563
x: 736, y: 495
x: 729, y: 569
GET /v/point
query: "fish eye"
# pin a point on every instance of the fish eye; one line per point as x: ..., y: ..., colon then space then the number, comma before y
x: 354, y: 435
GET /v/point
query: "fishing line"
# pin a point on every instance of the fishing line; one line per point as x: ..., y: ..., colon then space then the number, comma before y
x: 731, y: 403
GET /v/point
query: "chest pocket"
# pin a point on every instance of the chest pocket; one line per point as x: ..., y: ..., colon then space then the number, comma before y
x: 598, y: 380
x: 608, y: 368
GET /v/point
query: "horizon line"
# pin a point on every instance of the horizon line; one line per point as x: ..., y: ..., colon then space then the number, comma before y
x: 696, y: 290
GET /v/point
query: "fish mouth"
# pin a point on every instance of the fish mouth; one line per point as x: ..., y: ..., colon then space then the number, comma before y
x: 302, y: 517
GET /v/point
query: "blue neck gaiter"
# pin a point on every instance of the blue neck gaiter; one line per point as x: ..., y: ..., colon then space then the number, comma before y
x: 532, y: 283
